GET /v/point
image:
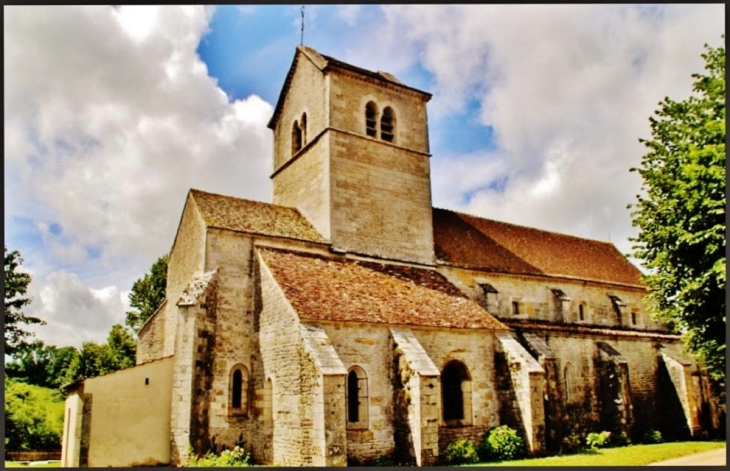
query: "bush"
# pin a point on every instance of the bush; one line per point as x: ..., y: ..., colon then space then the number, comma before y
x: 571, y: 444
x: 227, y: 459
x: 501, y: 444
x: 652, y: 436
x: 33, y: 417
x: 461, y: 451
x: 621, y: 440
x: 384, y: 460
x: 598, y: 440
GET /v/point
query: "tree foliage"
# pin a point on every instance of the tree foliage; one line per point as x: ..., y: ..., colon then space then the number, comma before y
x: 147, y: 294
x: 33, y: 417
x: 52, y: 367
x: 43, y: 365
x: 681, y: 218
x: 16, y: 286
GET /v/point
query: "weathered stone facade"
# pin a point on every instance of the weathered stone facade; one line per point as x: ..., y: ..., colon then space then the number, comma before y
x: 350, y: 320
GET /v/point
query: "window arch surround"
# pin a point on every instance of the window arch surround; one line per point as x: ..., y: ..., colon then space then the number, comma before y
x: 456, y: 404
x: 238, y: 397
x: 356, y: 391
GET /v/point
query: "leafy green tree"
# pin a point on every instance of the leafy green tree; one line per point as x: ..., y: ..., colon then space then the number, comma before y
x: 16, y: 286
x: 123, y: 346
x: 147, y: 294
x: 33, y: 417
x: 42, y: 365
x: 681, y: 218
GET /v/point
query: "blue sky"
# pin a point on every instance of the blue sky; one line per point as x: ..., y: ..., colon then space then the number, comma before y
x: 113, y: 113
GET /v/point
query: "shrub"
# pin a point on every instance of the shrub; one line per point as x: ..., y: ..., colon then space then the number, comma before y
x: 571, y: 444
x: 652, y: 436
x: 461, y: 451
x: 598, y: 440
x: 621, y: 440
x: 385, y: 460
x: 501, y: 443
x: 228, y: 458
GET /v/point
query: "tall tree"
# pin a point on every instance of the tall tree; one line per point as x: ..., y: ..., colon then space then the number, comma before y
x: 681, y: 218
x: 42, y: 365
x: 123, y: 346
x: 147, y: 294
x: 16, y: 287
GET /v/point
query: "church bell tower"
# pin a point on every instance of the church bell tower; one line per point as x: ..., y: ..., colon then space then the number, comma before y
x: 351, y: 153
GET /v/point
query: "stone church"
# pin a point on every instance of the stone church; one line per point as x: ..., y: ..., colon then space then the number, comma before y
x: 350, y: 319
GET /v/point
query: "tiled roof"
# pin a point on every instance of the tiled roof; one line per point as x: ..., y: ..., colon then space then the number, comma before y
x: 241, y: 215
x: 323, y: 289
x: 472, y: 242
x: 589, y: 330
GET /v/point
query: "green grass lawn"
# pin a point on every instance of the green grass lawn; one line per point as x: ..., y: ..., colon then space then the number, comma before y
x: 17, y: 464
x: 637, y: 455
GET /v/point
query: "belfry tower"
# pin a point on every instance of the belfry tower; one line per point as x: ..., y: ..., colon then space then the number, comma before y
x: 351, y: 153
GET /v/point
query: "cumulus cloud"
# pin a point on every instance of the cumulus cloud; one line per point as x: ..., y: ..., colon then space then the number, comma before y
x: 75, y: 313
x: 113, y: 117
x: 110, y: 117
x: 568, y: 91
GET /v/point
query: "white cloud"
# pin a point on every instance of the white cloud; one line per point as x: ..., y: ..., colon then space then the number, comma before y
x: 113, y: 117
x: 568, y: 91
x: 74, y: 313
x: 349, y: 13
x: 110, y: 118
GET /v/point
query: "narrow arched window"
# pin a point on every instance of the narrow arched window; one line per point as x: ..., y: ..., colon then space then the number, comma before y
x: 371, y: 119
x: 303, y: 130
x: 387, y: 125
x: 357, y: 398
x: 238, y: 394
x: 456, y: 392
x: 296, y: 138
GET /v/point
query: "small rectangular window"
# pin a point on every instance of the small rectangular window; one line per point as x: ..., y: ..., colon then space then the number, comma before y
x: 633, y: 317
x: 515, y: 308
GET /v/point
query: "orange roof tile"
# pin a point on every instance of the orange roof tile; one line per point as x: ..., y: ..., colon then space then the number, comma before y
x: 241, y: 215
x: 323, y: 289
x: 473, y: 242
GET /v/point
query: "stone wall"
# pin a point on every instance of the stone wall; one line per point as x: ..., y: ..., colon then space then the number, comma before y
x: 231, y: 255
x: 306, y: 94
x: 474, y: 348
x: 417, y: 398
x: 290, y: 440
x: 192, y: 370
x: 538, y: 302
x: 71, y: 441
x: 349, y: 93
x: 381, y: 199
x: 151, y: 337
x: 522, y: 385
x: 125, y: 418
x: 369, y: 347
x: 651, y: 400
x: 305, y: 184
x: 186, y: 259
